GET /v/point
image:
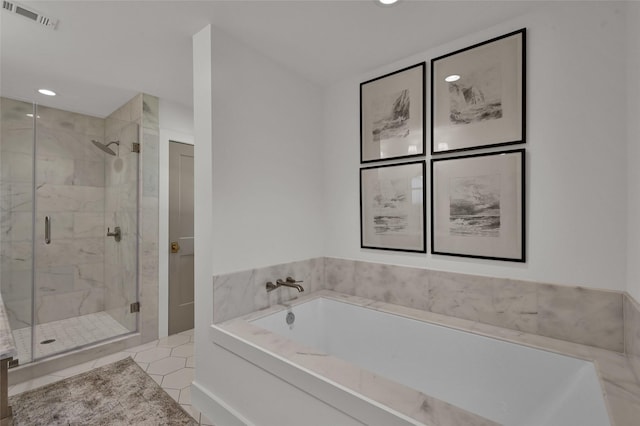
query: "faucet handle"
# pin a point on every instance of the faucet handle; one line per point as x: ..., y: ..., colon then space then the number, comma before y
x: 291, y: 280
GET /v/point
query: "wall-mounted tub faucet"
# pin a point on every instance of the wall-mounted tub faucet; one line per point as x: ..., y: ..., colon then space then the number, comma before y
x: 288, y: 282
x: 116, y: 234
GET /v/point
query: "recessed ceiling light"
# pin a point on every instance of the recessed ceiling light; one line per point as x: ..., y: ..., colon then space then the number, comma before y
x: 452, y: 78
x: 47, y: 92
x: 388, y: 2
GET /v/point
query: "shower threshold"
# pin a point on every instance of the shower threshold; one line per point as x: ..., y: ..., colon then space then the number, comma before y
x: 71, y: 333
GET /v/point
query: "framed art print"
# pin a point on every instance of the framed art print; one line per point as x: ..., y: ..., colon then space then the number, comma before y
x: 478, y: 207
x: 392, y: 111
x: 478, y: 95
x: 392, y: 200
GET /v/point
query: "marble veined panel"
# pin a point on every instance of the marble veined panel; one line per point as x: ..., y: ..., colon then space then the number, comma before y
x: 16, y: 197
x: 18, y: 141
x: 581, y: 315
x: 65, y: 198
x: 14, y: 114
x: 16, y: 167
x: 587, y: 316
x: 57, y: 119
x: 17, y: 226
x: 88, y: 173
x: 17, y: 255
x: 69, y: 252
x: 54, y: 170
x: 67, y: 144
x: 243, y: 292
x: 150, y: 111
x: 150, y: 158
x: 632, y: 332
x: 16, y: 285
x: 88, y: 275
x: 54, y: 280
x: 54, y: 307
x: 88, y: 225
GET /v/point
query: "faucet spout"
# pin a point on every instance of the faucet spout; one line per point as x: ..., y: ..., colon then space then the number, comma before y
x: 290, y: 282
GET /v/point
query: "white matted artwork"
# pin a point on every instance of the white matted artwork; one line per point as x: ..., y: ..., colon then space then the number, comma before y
x: 392, y: 109
x: 478, y: 95
x: 477, y: 206
x: 392, y: 199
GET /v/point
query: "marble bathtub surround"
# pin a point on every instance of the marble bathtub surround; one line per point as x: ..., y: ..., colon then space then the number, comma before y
x: 243, y: 292
x: 580, y: 315
x: 632, y: 332
x: 620, y: 386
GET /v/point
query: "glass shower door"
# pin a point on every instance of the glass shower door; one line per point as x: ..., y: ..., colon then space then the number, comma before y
x: 79, y: 290
x: 16, y: 219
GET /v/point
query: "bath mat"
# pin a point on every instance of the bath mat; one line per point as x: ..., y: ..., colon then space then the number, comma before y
x: 116, y: 394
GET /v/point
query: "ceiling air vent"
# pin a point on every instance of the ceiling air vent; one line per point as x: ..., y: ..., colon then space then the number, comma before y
x: 29, y: 13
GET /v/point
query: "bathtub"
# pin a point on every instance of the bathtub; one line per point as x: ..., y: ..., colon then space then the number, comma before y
x: 365, y: 362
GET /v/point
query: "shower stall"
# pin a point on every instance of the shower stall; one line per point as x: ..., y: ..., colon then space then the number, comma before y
x: 68, y: 227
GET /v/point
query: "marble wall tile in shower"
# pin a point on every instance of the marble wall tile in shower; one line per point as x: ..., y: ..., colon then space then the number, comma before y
x: 66, y: 144
x: 581, y: 315
x: 16, y: 167
x: 243, y: 292
x: 66, y: 252
x: 150, y: 147
x: 60, y: 120
x: 88, y: 275
x: 55, y: 171
x: 66, y: 198
x: 16, y: 285
x: 88, y: 173
x: 88, y: 225
x: 54, y: 280
x: 150, y: 111
x: 632, y: 332
x: 18, y: 141
x: 19, y: 313
x: 54, y: 307
x: 17, y: 197
x: 17, y: 226
x: 13, y: 114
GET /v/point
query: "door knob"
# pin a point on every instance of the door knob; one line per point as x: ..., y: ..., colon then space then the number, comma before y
x: 175, y: 247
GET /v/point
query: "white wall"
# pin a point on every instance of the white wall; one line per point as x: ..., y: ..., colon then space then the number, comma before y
x: 633, y: 158
x: 176, y: 124
x: 576, y: 148
x: 258, y: 170
x: 267, y: 161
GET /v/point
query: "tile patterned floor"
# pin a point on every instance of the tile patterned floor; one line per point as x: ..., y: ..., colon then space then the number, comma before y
x: 68, y: 333
x: 169, y: 361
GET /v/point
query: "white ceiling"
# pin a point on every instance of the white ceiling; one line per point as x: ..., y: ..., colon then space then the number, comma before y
x: 104, y: 52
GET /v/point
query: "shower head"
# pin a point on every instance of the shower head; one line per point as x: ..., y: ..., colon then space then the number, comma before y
x: 104, y: 147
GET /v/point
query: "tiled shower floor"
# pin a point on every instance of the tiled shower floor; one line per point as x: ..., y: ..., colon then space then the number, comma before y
x: 68, y: 334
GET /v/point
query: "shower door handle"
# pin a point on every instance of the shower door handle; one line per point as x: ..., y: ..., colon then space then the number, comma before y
x: 47, y: 229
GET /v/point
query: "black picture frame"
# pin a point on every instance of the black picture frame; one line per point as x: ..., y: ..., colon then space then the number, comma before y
x: 392, y: 115
x: 392, y: 207
x: 478, y: 206
x: 486, y: 106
